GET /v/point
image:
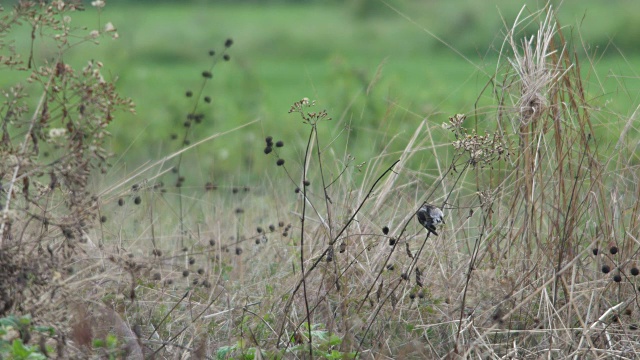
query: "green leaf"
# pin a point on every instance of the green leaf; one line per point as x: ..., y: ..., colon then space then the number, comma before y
x: 334, y: 340
x: 98, y: 343
x: 46, y: 329
x: 18, y: 349
x: 224, y: 351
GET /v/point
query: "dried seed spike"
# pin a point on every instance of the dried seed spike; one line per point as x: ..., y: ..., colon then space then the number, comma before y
x: 408, y: 250
x: 379, y: 292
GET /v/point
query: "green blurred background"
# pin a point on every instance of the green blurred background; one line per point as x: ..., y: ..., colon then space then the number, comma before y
x: 378, y: 68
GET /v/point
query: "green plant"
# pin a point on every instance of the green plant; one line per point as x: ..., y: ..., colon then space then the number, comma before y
x: 21, y: 329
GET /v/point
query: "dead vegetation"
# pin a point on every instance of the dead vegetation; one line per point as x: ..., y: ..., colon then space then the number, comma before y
x: 325, y: 257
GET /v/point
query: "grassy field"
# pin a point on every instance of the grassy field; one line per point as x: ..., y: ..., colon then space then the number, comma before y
x: 313, y: 250
x: 378, y: 74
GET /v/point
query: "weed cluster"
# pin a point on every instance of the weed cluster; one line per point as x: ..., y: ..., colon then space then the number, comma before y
x: 326, y: 257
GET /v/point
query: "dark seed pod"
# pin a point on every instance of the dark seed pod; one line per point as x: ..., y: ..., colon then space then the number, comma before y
x: 606, y: 269
x: 617, y: 278
x: 385, y: 230
x: 595, y: 251
x: 613, y: 250
x: 137, y: 200
x: 280, y: 162
x: 635, y: 271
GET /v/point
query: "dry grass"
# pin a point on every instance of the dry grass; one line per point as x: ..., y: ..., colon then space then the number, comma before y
x: 536, y: 211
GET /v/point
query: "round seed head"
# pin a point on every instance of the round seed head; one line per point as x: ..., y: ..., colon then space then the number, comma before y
x: 385, y: 230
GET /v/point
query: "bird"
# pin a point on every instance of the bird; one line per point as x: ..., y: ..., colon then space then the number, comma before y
x: 429, y: 216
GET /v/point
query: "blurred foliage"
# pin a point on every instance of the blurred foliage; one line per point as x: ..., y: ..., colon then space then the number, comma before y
x: 378, y: 69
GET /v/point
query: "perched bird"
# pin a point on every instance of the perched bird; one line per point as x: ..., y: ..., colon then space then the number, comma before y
x: 429, y: 216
